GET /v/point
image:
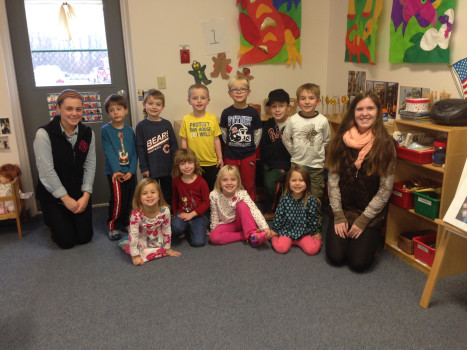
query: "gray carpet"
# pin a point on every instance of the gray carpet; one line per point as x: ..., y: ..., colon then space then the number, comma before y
x: 214, y: 297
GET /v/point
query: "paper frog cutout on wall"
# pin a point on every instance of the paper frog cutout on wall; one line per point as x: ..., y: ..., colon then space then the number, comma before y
x: 199, y: 74
x: 221, y: 66
x: 270, y: 31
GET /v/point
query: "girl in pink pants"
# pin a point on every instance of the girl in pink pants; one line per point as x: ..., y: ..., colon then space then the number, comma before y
x: 297, y: 215
x: 234, y: 216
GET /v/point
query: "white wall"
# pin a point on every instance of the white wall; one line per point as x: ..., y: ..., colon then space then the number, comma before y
x: 6, y: 109
x: 159, y: 27
x: 434, y: 76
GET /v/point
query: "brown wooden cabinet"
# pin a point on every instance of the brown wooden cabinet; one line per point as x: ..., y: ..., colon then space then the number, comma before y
x: 402, y: 220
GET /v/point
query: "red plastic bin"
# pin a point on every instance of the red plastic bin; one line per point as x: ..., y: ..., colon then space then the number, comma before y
x: 422, y: 157
x: 401, y: 197
x: 422, y: 250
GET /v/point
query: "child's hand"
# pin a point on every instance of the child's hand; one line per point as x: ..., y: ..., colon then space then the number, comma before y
x: 187, y: 216
x: 269, y: 233
x: 145, y: 174
x: 127, y: 176
x: 171, y: 252
x: 117, y: 176
x: 137, y: 260
x: 220, y: 163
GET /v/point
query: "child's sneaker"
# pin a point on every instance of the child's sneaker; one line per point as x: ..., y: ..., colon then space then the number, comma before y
x: 257, y: 238
x: 114, y: 235
x: 124, y: 242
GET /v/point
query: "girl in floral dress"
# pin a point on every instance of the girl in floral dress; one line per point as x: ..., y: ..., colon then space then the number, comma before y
x: 150, y: 235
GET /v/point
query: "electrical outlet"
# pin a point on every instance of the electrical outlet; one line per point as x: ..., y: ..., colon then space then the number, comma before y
x: 161, y: 83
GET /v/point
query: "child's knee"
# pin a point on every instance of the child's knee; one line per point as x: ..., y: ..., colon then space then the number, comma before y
x: 281, y: 244
x: 311, y: 245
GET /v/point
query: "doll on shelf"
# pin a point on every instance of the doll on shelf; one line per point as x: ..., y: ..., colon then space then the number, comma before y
x: 8, y: 172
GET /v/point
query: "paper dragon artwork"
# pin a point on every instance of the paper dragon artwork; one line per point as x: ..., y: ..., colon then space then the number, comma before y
x: 362, y: 23
x: 270, y: 31
x: 420, y: 31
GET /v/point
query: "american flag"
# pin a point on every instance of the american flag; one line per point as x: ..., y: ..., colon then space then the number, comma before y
x: 460, y: 67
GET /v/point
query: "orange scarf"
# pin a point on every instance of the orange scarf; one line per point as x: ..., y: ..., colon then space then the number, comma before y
x: 363, y: 142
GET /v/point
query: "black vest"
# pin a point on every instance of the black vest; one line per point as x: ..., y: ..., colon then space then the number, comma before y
x: 358, y: 189
x: 68, y: 160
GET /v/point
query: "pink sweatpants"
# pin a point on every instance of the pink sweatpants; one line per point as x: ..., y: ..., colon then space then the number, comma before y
x: 309, y: 244
x: 238, y: 230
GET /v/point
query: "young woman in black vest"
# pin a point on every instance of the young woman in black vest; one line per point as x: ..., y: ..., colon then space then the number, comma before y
x: 361, y: 165
x: 66, y: 162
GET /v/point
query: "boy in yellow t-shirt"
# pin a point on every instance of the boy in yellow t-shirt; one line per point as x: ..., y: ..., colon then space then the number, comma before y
x: 200, y: 132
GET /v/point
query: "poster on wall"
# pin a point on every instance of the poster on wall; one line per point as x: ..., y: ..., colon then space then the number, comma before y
x: 92, y: 111
x: 411, y: 92
x: 420, y: 31
x: 270, y: 31
x: 215, y: 40
x: 356, y: 83
x: 4, y: 144
x: 387, y: 93
x: 5, y: 127
x: 362, y: 23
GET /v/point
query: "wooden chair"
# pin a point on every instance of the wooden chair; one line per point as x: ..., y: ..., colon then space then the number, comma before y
x: 18, y: 203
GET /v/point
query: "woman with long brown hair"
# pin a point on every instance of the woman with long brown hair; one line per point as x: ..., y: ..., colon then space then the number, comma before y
x: 361, y: 164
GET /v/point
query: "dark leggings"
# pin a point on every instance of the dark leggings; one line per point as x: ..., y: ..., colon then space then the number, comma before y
x: 357, y: 253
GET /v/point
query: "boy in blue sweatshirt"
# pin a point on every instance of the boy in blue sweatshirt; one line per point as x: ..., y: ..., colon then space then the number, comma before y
x: 118, y: 142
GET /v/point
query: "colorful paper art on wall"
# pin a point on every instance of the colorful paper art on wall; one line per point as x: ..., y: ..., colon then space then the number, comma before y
x: 362, y: 23
x: 459, y: 70
x: 420, y: 31
x: 199, y: 74
x: 247, y: 73
x: 270, y: 31
x: 221, y: 66
x: 92, y: 111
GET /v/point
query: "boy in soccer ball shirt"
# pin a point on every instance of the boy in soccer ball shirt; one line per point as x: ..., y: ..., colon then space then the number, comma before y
x: 241, y: 131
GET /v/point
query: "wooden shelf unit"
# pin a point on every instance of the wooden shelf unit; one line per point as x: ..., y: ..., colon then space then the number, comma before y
x: 402, y: 220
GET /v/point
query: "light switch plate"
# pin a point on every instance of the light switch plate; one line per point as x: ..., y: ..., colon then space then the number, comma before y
x: 161, y: 83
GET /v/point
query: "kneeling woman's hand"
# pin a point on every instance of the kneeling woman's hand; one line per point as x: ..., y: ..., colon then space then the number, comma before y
x: 341, y: 229
x: 354, y: 232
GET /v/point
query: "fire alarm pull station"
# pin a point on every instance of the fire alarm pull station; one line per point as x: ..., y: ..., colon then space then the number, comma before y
x: 184, y: 54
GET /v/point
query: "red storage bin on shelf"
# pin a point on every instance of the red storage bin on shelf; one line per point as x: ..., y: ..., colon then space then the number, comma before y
x: 401, y: 197
x: 422, y: 157
x: 422, y: 250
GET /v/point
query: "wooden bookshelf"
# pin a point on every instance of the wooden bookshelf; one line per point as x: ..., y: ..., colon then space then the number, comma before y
x: 403, y: 220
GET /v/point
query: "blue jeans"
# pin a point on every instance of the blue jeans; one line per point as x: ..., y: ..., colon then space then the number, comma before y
x: 196, y: 228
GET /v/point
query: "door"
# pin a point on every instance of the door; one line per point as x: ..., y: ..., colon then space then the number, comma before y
x: 33, y: 96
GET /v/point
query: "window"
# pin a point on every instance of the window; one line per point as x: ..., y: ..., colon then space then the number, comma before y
x: 77, y: 56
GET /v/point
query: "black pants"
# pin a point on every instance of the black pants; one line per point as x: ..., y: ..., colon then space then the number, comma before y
x: 357, y: 253
x: 120, y: 202
x: 166, y: 187
x: 68, y: 229
x: 210, y: 174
